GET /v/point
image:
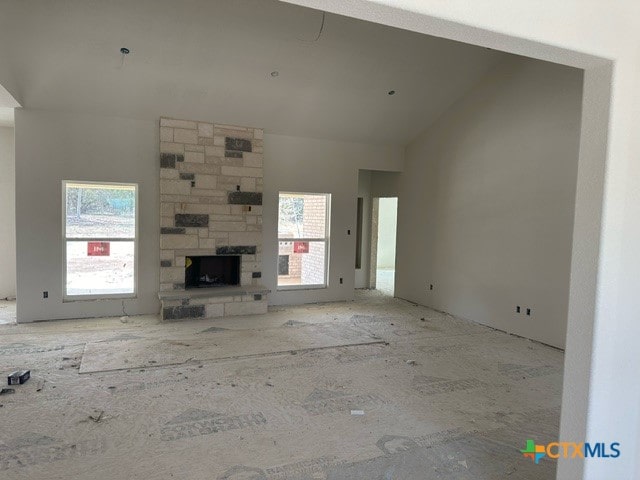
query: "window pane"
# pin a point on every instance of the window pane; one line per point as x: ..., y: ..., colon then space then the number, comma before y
x: 98, y: 268
x: 302, y: 216
x: 301, y: 263
x: 100, y: 211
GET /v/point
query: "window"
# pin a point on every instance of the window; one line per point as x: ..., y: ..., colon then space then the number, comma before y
x: 303, y: 240
x: 100, y: 240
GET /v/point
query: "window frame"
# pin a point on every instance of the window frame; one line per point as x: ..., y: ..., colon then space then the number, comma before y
x: 105, y: 296
x: 326, y: 239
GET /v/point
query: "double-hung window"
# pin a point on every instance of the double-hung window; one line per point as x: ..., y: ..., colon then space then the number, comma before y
x: 303, y: 240
x: 100, y: 232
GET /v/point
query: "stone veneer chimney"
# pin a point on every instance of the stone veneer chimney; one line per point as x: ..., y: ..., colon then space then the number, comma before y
x: 210, y: 204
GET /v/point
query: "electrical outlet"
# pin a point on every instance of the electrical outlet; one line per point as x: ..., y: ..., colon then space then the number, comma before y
x: 348, y: 232
x: 45, y: 294
x: 340, y: 280
x: 518, y: 309
x: 528, y: 311
x: 431, y: 287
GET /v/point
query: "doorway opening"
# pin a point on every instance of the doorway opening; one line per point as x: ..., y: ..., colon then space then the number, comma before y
x: 8, y: 227
x: 383, y: 244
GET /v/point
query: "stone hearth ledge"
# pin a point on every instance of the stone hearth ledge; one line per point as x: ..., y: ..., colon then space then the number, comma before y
x: 213, y: 292
x: 213, y: 302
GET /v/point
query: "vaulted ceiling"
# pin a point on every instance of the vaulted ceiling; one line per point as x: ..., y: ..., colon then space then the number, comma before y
x: 212, y: 59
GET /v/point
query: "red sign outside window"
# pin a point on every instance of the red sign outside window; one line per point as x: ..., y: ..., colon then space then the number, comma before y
x: 300, y: 247
x: 98, y: 249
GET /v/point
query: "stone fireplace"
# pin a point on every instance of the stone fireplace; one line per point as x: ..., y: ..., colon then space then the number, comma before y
x: 211, y: 220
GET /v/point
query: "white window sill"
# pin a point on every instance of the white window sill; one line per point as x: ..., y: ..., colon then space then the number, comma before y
x: 92, y: 298
x: 293, y: 288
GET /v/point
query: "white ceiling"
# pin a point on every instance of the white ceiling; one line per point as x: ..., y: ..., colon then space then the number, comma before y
x: 211, y: 59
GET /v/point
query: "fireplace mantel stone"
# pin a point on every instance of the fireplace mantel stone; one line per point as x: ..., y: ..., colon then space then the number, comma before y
x: 213, y: 292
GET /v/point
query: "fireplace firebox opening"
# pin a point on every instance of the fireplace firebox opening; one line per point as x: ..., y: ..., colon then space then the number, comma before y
x: 212, y: 271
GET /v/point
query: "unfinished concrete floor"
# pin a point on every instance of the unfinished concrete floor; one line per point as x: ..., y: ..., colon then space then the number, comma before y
x: 442, y: 398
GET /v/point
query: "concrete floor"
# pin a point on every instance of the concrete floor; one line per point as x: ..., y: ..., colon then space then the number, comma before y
x: 271, y: 397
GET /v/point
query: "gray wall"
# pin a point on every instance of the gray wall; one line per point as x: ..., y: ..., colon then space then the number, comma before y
x: 321, y: 166
x: 84, y: 147
x: 55, y: 146
x: 364, y: 191
x: 487, y: 206
x: 8, y: 221
x: 385, y: 184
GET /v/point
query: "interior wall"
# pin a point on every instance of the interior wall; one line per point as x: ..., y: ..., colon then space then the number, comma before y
x: 55, y: 146
x: 319, y: 166
x: 385, y: 184
x: 8, y: 223
x: 603, y: 309
x: 364, y: 191
x: 489, y: 194
x: 73, y: 146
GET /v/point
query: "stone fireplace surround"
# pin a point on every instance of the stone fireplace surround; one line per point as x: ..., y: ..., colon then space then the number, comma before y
x: 210, y: 204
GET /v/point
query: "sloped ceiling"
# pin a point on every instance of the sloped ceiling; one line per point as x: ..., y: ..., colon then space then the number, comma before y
x: 212, y: 59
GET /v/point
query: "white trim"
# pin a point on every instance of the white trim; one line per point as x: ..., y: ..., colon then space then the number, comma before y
x: 326, y: 240
x: 284, y: 288
x: 110, y: 296
x: 100, y: 239
x: 302, y: 239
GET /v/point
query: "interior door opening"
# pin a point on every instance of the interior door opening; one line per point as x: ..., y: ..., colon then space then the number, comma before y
x: 383, y: 244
